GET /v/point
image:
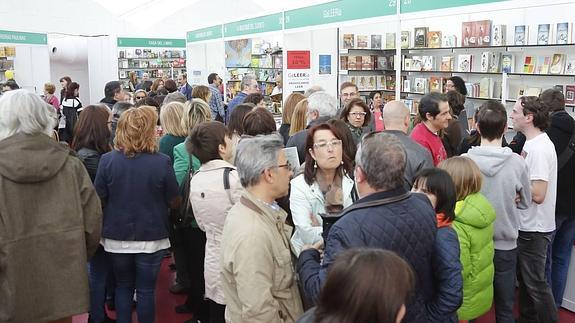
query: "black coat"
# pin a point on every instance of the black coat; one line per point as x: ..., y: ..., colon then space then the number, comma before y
x: 90, y: 158
x: 559, y: 132
x: 407, y: 227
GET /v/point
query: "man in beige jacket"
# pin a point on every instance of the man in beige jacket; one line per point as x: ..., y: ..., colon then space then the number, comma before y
x: 257, y: 271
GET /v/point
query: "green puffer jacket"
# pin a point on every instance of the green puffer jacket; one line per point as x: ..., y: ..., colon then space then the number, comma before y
x: 474, y: 217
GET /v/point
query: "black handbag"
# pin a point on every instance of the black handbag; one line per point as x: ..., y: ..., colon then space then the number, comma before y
x: 183, y: 216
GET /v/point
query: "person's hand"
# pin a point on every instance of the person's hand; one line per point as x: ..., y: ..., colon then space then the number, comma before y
x: 317, y: 246
x: 314, y: 220
x: 517, y: 198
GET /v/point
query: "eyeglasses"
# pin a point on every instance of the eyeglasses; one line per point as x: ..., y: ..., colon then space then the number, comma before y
x: 325, y: 144
x: 140, y: 97
x: 358, y: 114
x: 286, y: 165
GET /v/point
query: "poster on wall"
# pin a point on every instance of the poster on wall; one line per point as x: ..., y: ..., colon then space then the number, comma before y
x: 298, y: 59
x: 298, y: 71
x: 324, y: 64
x: 298, y: 81
x: 239, y: 53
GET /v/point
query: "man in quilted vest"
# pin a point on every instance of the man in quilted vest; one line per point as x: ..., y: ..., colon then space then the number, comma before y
x: 386, y: 216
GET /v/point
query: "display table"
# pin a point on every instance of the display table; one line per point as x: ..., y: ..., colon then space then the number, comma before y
x: 569, y: 295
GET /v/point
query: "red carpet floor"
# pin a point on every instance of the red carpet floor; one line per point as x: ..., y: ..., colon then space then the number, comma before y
x: 165, y: 302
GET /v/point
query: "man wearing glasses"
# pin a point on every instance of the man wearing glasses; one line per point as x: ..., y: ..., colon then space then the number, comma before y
x: 249, y: 86
x: 258, y: 278
x: 347, y: 91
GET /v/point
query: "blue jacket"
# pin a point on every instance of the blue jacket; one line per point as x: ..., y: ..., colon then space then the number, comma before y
x: 238, y: 99
x: 448, y: 279
x: 187, y: 91
x: 135, y: 194
x: 407, y: 227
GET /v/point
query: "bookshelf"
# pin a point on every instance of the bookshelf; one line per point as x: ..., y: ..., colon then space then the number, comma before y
x: 264, y: 66
x: 157, y: 62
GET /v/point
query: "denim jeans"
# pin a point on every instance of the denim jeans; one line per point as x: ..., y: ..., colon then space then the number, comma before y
x: 136, y: 271
x: 561, y: 255
x: 505, y: 263
x: 536, y: 302
x: 100, y: 272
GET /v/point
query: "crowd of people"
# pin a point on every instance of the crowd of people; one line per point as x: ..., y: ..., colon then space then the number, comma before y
x: 384, y: 217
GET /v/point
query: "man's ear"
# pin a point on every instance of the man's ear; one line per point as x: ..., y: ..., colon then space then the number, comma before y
x: 360, y: 175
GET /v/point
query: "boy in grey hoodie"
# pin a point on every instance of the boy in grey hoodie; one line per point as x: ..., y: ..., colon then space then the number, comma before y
x: 506, y: 185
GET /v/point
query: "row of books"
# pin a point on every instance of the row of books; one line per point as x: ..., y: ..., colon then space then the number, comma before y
x: 235, y: 87
x: 123, y: 74
x: 262, y: 75
x: 7, y: 51
x: 267, y: 61
x: 366, y: 62
x: 151, y: 53
x: 474, y: 34
x: 6, y: 64
x: 159, y: 63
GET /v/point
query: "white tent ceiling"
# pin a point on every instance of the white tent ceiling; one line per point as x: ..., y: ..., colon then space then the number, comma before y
x: 151, y: 18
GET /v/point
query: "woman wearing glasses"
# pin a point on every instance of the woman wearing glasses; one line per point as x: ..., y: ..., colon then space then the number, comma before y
x: 324, y: 189
x: 357, y: 116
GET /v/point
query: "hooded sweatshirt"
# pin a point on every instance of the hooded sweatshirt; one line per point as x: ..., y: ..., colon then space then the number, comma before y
x: 505, y: 175
x: 473, y: 223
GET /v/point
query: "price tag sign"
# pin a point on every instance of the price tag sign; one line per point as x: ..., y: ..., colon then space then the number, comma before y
x: 298, y: 59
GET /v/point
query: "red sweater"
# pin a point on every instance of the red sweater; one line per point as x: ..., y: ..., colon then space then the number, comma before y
x: 430, y: 141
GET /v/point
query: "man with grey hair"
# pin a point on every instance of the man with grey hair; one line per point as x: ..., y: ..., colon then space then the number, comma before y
x: 50, y: 216
x: 321, y: 108
x: 386, y: 216
x: 312, y: 89
x: 396, y: 119
x: 249, y: 86
x: 174, y: 96
x: 258, y: 279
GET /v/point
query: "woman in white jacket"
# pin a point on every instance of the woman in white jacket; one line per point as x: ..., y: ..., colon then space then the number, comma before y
x: 324, y: 188
x: 211, y: 200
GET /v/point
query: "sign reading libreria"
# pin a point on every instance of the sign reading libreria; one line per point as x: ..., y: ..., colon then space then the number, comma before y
x: 204, y: 34
x: 16, y: 37
x: 151, y: 42
x: 255, y: 25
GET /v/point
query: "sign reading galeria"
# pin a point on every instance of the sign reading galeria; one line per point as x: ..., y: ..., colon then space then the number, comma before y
x: 298, y: 71
x: 151, y: 42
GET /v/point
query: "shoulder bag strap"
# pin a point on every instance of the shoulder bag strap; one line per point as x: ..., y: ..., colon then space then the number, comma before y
x: 384, y: 201
x: 568, y: 152
x: 227, y: 171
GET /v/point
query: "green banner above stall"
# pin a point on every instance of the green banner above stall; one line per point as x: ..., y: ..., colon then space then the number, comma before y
x: 254, y: 25
x: 151, y: 42
x: 208, y: 33
x: 337, y: 11
x: 408, y: 6
x: 16, y: 37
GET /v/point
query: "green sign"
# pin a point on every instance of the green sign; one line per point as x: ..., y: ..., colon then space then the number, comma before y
x: 151, y: 42
x: 204, y: 34
x: 17, y: 37
x: 422, y: 5
x: 337, y: 11
x: 254, y: 26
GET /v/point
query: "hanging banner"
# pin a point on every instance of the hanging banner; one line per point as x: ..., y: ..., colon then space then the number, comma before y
x: 423, y: 5
x: 298, y: 59
x: 16, y: 37
x: 151, y: 42
x: 262, y: 24
x: 208, y: 33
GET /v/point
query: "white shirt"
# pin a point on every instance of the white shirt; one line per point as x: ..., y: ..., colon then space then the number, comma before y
x: 117, y: 246
x: 541, y: 159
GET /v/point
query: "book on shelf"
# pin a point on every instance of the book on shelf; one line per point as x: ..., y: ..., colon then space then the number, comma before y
x: 367, y: 64
x: 390, y: 40
x: 362, y: 41
x: 476, y: 33
x: 498, y: 35
x: 521, y: 36
x: 448, y: 41
x: 543, y: 34
x: 123, y: 74
x: 560, y: 88
x: 557, y: 64
x: 563, y: 33
x: 532, y: 91
x: 420, y: 85
x: 494, y: 62
x: 464, y: 63
x: 486, y: 86
x: 543, y: 63
x: 366, y: 83
x: 446, y: 63
x: 408, y: 63
x: 436, y: 84
x: 407, y: 85
x: 416, y: 63
x: 384, y: 63
x: 428, y: 63
x: 358, y: 63
x: 375, y: 41
x: 434, y: 39
x: 484, y: 66
x: 343, y: 61
x: 570, y: 94
x: 390, y: 82
x: 570, y: 66
x: 351, y: 63
x: 411, y: 105
x: 507, y: 63
x: 420, y: 37
x: 529, y: 64
x: 278, y: 61
x: 405, y: 39
x: 255, y: 62
x: 348, y: 41
x: 380, y: 82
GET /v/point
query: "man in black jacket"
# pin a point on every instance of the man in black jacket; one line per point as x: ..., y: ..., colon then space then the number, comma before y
x: 386, y: 216
x: 112, y: 93
x: 560, y: 132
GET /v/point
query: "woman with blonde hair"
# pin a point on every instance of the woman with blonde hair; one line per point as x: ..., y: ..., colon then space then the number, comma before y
x: 171, y: 121
x: 201, y: 92
x: 137, y: 187
x: 190, y: 240
x: 299, y: 118
x: 287, y: 113
x: 133, y: 81
x: 474, y: 217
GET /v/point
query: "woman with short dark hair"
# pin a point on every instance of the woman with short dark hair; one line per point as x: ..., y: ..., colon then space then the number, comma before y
x: 259, y: 122
x: 137, y: 187
x: 357, y: 116
x: 70, y: 108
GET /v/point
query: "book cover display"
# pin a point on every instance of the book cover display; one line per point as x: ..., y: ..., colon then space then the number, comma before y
x: 362, y: 41
x: 464, y: 63
x: 348, y: 41
x: 476, y: 33
x: 420, y: 37
x: 563, y: 34
x: 498, y: 36
x: 405, y: 39
x: 390, y: 41
x: 521, y: 36
x: 434, y: 39
x: 507, y: 63
x: 557, y: 64
x: 375, y: 41
x: 543, y: 34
